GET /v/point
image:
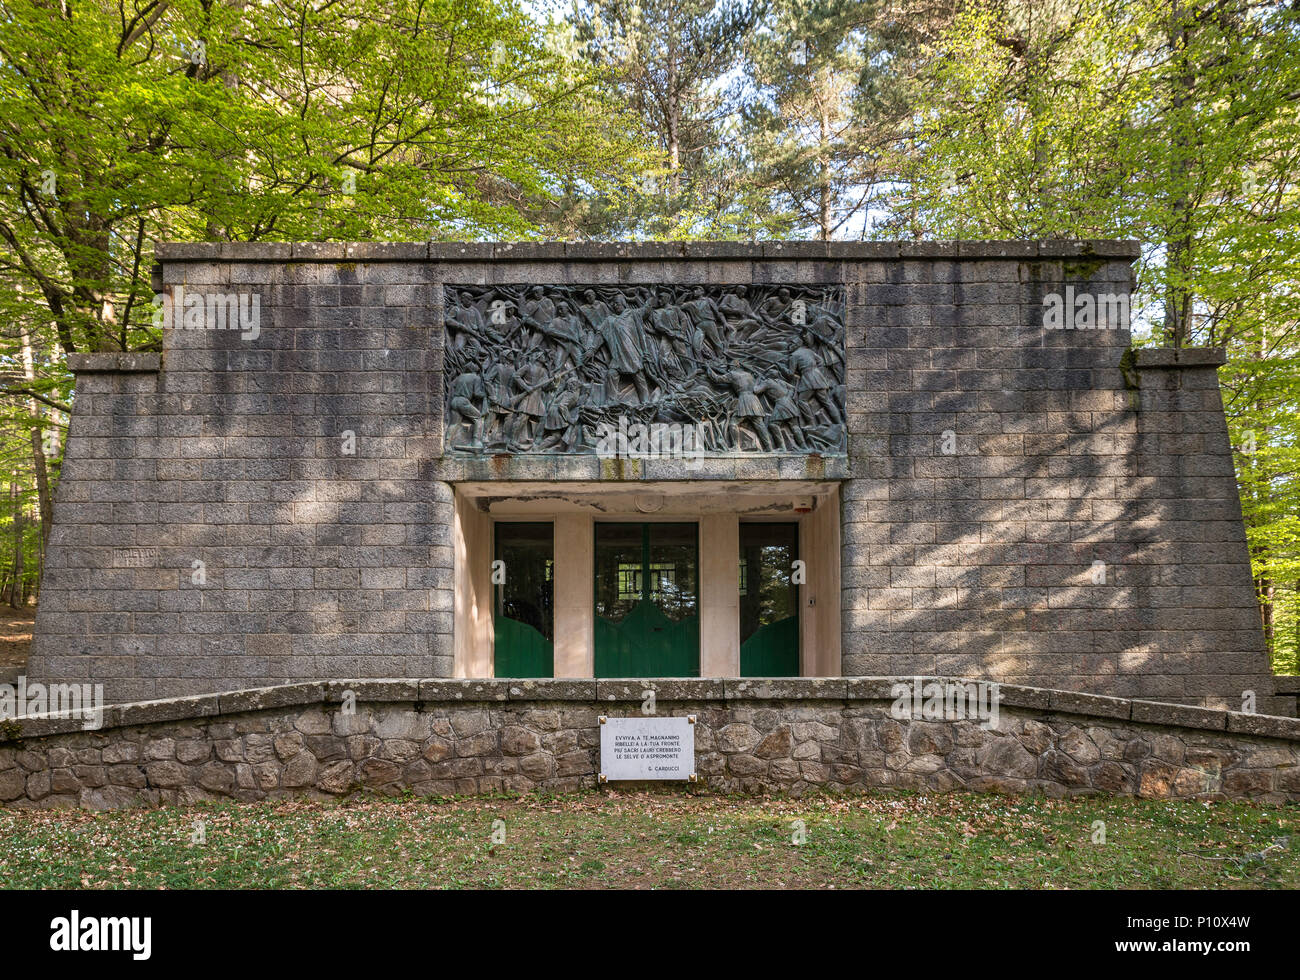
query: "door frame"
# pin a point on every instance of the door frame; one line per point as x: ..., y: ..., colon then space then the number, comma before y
x: 496, y: 591
x: 716, y: 506
x: 799, y: 590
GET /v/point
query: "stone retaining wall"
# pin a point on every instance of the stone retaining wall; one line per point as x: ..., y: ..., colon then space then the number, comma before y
x: 445, y: 737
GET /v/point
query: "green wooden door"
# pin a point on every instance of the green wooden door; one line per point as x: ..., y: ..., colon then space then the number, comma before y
x: 523, y: 586
x: 769, y: 600
x: 647, y: 600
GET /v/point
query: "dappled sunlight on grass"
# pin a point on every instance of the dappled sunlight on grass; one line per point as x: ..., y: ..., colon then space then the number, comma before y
x: 662, y: 840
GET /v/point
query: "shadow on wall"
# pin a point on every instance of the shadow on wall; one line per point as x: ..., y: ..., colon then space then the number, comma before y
x: 1017, y: 518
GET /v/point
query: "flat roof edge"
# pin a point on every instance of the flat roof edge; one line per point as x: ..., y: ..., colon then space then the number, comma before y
x: 638, y: 251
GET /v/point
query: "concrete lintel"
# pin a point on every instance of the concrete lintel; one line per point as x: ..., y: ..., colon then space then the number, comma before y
x: 1265, y: 726
x: 665, y: 689
x: 1077, y: 703
x: 552, y: 689
x: 785, y: 688
x: 1180, y: 715
x: 638, y: 474
x: 650, y: 500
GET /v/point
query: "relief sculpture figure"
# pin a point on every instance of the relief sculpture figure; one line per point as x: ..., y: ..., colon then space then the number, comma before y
x: 620, y: 334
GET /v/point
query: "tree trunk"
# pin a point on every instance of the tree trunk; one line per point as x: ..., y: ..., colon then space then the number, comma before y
x: 1178, y: 297
x: 16, y: 596
x: 824, y: 165
x: 674, y: 127
x: 1267, y: 608
x: 1263, y: 487
x: 38, y: 449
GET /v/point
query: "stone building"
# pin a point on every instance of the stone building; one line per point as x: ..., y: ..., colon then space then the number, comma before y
x: 786, y: 459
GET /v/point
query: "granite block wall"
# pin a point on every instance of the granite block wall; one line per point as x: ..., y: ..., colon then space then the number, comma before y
x: 1031, y: 505
x: 1038, y: 506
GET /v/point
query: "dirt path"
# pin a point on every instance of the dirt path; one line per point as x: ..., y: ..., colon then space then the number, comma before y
x: 15, y: 639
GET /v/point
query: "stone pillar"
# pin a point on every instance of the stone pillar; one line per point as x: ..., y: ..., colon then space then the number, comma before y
x: 106, y: 561
x: 819, y: 613
x: 1201, y: 639
x: 574, y: 616
x: 472, y: 537
x: 719, y: 595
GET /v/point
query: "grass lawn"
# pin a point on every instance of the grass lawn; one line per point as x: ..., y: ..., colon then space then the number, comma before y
x: 660, y: 840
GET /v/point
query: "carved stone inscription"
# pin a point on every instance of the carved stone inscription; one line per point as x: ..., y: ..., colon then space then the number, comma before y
x: 556, y: 369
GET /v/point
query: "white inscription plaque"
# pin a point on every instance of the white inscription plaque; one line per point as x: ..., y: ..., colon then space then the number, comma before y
x: 647, y: 748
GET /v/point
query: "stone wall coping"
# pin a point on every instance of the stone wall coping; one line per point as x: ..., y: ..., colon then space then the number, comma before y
x: 634, y: 251
x: 114, y: 363
x: 624, y: 691
x: 1286, y: 683
x: 1180, y: 357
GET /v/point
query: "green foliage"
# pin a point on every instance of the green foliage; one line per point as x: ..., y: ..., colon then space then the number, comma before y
x: 1025, y: 125
x: 674, y: 63
x: 806, y: 66
x: 282, y: 121
x: 1177, y: 124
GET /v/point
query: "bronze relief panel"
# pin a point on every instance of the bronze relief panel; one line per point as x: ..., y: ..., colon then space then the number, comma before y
x: 557, y: 369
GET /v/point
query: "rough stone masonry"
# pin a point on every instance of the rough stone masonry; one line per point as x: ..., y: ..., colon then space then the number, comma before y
x: 1022, y: 499
x: 789, y: 736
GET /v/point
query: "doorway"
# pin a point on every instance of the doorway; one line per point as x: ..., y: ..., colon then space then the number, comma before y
x: 647, y: 602
x: 523, y: 621
x: 769, y: 599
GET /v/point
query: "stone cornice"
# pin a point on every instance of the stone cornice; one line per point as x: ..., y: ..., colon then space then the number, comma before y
x: 1179, y: 357
x: 114, y: 363
x: 634, y: 251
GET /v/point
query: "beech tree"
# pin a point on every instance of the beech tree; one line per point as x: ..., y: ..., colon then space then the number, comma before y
x: 125, y: 122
